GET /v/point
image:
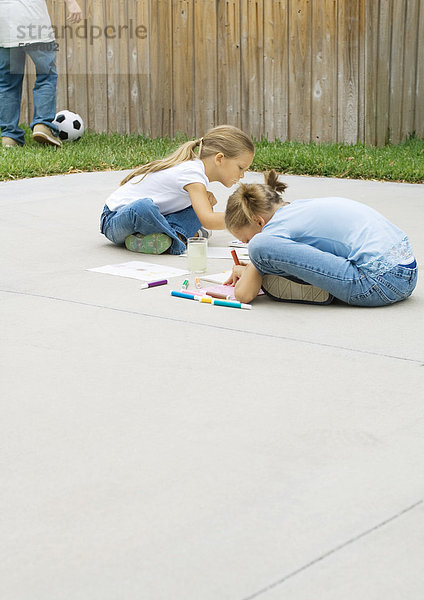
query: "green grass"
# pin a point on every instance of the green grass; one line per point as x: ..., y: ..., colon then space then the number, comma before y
x: 402, y: 162
x: 102, y: 152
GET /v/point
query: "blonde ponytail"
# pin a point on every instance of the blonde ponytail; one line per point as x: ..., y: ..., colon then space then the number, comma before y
x: 181, y: 154
x: 254, y: 199
x: 227, y: 139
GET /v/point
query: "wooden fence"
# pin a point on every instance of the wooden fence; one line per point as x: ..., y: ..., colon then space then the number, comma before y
x: 305, y: 70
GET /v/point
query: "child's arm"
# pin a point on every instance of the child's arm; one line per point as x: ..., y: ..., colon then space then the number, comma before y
x: 203, y: 208
x: 247, y: 281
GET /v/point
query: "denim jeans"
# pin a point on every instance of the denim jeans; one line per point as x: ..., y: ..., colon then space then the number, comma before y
x: 335, y: 274
x: 12, y: 66
x: 143, y: 216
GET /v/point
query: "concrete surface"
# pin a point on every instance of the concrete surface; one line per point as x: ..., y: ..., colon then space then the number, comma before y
x: 159, y: 449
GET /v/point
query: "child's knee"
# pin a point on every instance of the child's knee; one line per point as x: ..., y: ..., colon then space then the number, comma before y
x: 256, y: 248
x: 143, y: 206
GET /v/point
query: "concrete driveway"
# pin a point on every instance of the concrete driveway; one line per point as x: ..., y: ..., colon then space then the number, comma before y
x: 160, y: 449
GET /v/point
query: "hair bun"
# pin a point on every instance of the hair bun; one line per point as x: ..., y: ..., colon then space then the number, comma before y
x: 272, y: 180
x: 248, y: 192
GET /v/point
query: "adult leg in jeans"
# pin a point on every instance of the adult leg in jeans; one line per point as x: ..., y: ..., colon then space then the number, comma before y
x: 12, y: 66
x: 44, y: 91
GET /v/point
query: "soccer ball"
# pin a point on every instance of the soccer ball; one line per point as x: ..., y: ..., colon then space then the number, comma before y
x: 71, y: 125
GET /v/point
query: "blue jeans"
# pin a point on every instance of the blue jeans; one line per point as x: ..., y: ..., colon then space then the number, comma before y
x: 143, y: 216
x: 335, y: 274
x: 12, y: 66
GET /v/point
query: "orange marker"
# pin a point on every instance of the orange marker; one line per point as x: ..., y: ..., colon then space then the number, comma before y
x: 235, y: 257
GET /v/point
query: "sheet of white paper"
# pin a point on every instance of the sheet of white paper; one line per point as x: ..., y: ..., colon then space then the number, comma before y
x: 143, y: 271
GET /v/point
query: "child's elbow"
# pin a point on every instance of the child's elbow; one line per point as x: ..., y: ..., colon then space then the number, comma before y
x: 248, y: 285
x: 244, y: 296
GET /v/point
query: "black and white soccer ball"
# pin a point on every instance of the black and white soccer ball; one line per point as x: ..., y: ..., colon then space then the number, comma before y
x: 71, y: 125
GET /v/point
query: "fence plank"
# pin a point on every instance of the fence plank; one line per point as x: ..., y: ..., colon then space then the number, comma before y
x: 205, y: 79
x: 300, y: 70
x: 117, y: 67
x: 26, y: 114
x: 361, y: 67
x: 348, y: 60
x: 410, y: 66
x: 324, y: 71
x: 183, y: 66
x: 383, y: 72
x: 139, y: 67
x: 121, y: 43
x: 229, y: 61
x: 397, y: 70
x: 276, y: 75
x: 112, y: 66
x: 30, y: 77
x: 252, y: 100
x: 97, y: 66
x: 76, y: 69
x: 419, y: 82
x: 370, y: 76
x: 161, y: 68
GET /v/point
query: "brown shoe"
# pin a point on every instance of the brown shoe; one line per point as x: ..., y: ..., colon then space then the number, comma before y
x: 8, y: 142
x: 44, y: 135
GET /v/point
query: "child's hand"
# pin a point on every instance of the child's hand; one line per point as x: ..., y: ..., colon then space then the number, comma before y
x: 247, y: 281
x: 237, y: 272
x: 211, y: 198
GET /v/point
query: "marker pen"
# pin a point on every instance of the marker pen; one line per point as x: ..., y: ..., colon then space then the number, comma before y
x: 209, y: 300
x: 235, y: 257
x: 153, y: 284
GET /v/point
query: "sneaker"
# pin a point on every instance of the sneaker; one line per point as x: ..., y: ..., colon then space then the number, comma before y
x: 204, y: 233
x: 285, y: 289
x: 44, y: 135
x: 8, y: 142
x: 154, y: 243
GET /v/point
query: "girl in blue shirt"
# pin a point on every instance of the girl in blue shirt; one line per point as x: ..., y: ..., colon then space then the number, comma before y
x: 315, y: 249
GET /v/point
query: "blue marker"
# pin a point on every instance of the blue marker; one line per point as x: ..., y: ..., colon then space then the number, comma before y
x: 183, y: 295
x: 208, y: 300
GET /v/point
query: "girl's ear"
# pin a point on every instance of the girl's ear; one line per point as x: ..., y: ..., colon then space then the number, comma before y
x: 218, y: 158
x: 260, y: 221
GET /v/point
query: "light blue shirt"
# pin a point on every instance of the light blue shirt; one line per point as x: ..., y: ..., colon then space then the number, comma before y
x: 345, y: 228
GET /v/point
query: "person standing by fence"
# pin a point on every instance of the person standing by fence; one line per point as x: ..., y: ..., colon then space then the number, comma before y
x: 25, y: 29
